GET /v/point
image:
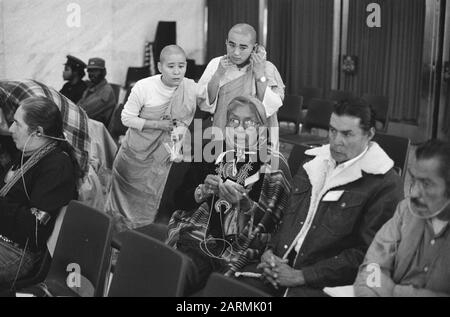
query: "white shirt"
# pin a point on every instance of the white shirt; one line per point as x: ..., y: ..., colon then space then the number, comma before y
x: 149, y: 92
x: 273, y: 98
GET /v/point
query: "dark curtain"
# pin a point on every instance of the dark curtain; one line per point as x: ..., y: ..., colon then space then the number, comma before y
x: 222, y: 15
x: 300, y: 42
x: 389, y: 57
x: 446, y: 123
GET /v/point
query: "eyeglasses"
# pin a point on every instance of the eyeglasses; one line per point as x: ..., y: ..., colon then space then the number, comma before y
x: 248, y: 123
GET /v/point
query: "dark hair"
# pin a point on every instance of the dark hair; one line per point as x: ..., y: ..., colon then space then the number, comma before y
x: 80, y: 72
x: 358, y: 109
x: 441, y: 150
x: 43, y: 112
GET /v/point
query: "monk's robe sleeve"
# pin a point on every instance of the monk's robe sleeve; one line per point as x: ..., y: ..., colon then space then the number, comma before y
x: 131, y: 110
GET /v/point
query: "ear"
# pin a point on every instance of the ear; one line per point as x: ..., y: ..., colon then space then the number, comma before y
x: 40, y: 130
x: 371, y: 133
x: 159, y: 67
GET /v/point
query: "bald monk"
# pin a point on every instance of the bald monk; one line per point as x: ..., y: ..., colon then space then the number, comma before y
x: 244, y: 70
x: 156, y: 106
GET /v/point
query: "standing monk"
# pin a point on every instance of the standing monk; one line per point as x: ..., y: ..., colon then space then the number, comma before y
x: 244, y: 70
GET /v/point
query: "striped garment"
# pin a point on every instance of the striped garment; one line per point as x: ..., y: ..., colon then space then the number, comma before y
x: 75, y: 119
x: 196, y: 225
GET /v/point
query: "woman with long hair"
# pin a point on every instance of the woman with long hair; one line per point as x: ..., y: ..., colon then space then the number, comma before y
x: 38, y: 183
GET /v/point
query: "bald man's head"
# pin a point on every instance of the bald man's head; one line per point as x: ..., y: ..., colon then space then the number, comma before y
x: 245, y: 29
x: 171, y: 50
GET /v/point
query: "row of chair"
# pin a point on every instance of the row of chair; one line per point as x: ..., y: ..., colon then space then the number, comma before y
x: 319, y: 110
x: 146, y: 266
x: 396, y: 147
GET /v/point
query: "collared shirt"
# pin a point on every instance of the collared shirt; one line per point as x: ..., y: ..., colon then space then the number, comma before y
x: 273, y: 97
x: 335, y: 170
x: 429, y: 249
x: 316, y: 195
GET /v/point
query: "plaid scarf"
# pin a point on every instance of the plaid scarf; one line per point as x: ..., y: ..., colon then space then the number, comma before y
x: 33, y: 160
x: 75, y: 120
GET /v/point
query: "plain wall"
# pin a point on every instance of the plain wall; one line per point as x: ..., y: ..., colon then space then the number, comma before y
x: 35, y: 36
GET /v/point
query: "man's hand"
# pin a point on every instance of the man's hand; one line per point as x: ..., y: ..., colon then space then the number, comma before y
x: 277, y: 272
x: 224, y: 64
x: 258, y: 60
x: 286, y: 276
x: 270, y: 261
x: 213, y: 84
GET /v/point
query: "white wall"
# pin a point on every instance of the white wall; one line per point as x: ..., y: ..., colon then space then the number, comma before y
x: 35, y: 36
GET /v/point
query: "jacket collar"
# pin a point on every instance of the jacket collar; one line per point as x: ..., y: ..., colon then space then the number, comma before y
x: 374, y: 161
x: 93, y: 87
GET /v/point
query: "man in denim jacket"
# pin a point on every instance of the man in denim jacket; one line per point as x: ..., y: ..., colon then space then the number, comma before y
x: 340, y: 200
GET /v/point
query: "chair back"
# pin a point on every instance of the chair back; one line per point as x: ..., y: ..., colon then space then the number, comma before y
x: 309, y: 93
x: 380, y: 104
x: 219, y: 285
x: 158, y: 231
x: 147, y: 267
x: 340, y: 95
x: 134, y: 74
x: 291, y: 111
x: 319, y: 114
x: 84, y: 241
x: 397, y: 148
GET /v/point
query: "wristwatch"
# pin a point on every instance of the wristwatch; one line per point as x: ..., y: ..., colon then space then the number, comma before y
x: 262, y: 79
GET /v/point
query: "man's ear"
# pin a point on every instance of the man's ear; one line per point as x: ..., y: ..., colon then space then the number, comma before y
x: 159, y: 67
x: 371, y: 133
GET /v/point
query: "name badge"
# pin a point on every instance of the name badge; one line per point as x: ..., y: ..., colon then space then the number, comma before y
x: 333, y: 195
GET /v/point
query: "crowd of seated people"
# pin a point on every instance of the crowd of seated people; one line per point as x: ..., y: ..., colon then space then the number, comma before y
x: 342, y: 219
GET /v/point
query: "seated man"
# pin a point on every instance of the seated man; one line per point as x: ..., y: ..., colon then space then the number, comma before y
x: 340, y: 200
x: 410, y: 254
x: 73, y: 74
x: 35, y: 187
x: 98, y: 100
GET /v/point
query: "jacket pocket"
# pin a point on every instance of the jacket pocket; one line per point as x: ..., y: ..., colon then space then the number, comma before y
x: 340, y: 216
x: 300, y: 191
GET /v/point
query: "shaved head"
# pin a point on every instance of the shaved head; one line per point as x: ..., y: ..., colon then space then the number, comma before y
x: 171, y: 50
x: 245, y: 29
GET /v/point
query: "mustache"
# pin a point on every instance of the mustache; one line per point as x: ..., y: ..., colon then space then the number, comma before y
x: 416, y: 202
